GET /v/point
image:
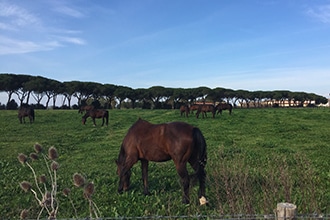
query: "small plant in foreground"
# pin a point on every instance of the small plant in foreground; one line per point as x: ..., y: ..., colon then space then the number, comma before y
x: 45, y: 187
x: 45, y: 197
x: 88, y: 191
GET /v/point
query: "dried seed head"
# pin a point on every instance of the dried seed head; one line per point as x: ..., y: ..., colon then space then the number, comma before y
x: 66, y: 191
x: 78, y: 180
x: 89, y: 190
x: 34, y: 156
x: 42, y: 178
x: 26, y: 186
x: 47, y: 199
x: 52, y: 153
x: 22, y: 158
x: 37, y: 148
x: 54, y: 166
x: 24, y: 214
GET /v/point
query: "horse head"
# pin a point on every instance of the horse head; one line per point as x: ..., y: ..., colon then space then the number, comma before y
x: 124, y: 177
x: 83, y: 120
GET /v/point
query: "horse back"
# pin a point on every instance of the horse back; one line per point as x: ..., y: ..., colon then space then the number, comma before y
x: 159, y: 142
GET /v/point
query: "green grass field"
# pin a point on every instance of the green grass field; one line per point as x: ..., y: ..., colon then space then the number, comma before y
x: 256, y: 159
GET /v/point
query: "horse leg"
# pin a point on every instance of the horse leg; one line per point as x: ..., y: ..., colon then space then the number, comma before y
x: 144, y: 167
x: 94, y: 123
x: 184, y: 177
x: 201, y: 175
x: 102, y: 121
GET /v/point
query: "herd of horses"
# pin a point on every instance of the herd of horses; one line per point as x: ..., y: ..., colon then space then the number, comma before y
x: 144, y: 142
x: 204, y: 108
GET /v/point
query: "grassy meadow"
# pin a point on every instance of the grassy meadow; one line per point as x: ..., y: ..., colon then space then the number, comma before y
x: 256, y: 159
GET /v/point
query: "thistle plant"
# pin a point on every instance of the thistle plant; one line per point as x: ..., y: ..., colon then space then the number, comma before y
x: 45, y: 187
x: 45, y: 197
x: 88, y: 190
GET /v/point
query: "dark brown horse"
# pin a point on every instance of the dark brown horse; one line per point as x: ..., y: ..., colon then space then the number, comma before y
x: 224, y: 106
x: 25, y: 111
x: 184, y: 109
x: 97, y: 113
x: 178, y: 141
x: 194, y: 107
x: 85, y: 108
x: 205, y: 108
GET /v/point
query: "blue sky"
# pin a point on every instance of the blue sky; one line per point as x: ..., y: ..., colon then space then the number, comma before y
x: 251, y: 45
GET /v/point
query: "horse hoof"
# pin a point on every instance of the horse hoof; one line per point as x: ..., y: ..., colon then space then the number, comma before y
x: 146, y: 193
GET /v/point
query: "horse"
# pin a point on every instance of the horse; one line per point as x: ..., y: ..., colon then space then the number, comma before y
x: 205, y: 108
x: 24, y: 111
x: 96, y: 113
x: 224, y: 106
x: 193, y: 108
x: 177, y: 141
x: 85, y: 108
x: 184, y: 109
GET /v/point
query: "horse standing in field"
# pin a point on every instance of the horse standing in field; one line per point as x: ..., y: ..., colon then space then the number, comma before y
x: 224, y: 106
x: 193, y: 108
x: 205, y: 108
x: 25, y: 111
x: 85, y: 108
x: 184, y: 109
x: 96, y: 113
x: 178, y: 141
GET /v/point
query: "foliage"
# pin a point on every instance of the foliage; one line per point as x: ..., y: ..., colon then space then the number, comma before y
x: 256, y: 158
x: 155, y: 97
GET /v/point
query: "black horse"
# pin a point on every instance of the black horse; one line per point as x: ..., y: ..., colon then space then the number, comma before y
x: 97, y: 113
x: 224, y: 106
x: 178, y: 141
x: 25, y: 111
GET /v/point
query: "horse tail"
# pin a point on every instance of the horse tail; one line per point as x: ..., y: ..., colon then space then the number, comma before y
x: 107, y: 116
x: 32, y: 114
x: 200, y: 143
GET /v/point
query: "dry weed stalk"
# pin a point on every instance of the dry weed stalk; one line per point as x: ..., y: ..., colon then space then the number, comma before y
x: 240, y: 185
x: 47, y: 198
x: 88, y: 190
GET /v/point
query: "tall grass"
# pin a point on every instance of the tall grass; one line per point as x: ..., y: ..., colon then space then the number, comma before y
x: 256, y: 158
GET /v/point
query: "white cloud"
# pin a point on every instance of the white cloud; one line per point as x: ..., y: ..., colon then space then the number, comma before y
x: 16, y: 16
x: 321, y: 13
x: 69, y: 11
x: 14, y: 46
x: 19, y: 23
x: 73, y: 40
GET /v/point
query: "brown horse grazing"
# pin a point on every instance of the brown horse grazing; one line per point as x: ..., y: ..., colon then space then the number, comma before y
x: 224, y: 106
x: 85, y: 108
x: 25, y: 111
x: 184, y: 109
x: 205, y: 108
x: 178, y: 141
x: 97, y: 113
x: 194, y: 107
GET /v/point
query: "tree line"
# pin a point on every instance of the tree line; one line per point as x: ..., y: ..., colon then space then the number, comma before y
x: 38, y: 88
